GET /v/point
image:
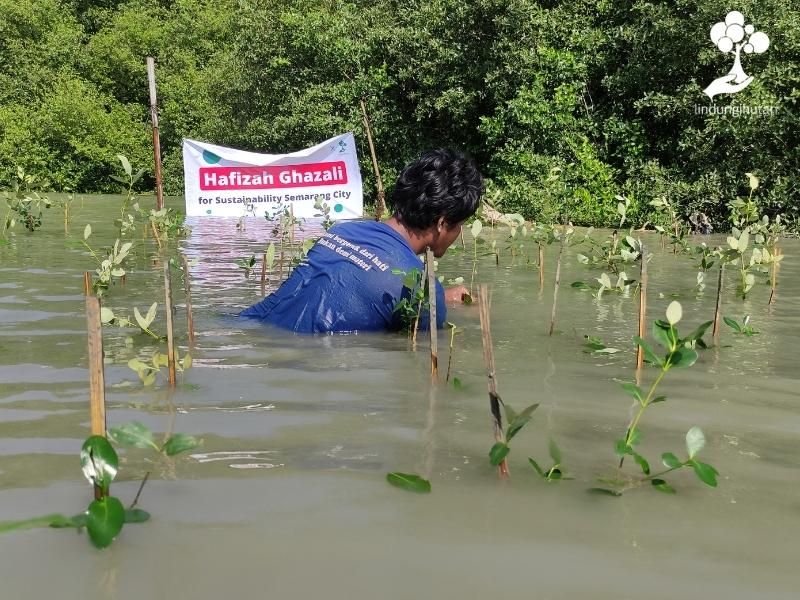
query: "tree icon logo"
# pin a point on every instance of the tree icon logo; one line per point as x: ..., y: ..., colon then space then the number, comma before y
x: 732, y: 36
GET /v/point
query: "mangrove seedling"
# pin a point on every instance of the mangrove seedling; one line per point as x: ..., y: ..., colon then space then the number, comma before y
x: 500, y: 450
x: 676, y: 231
x: 111, y: 266
x: 410, y: 306
x: 108, y: 317
x: 147, y: 371
x: 604, y: 284
x: 126, y: 223
x: 743, y: 328
x: 557, y: 471
x: 595, y: 345
x: 25, y: 204
x: 247, y: 264
x: 324, y: 212
x: 680, y: 352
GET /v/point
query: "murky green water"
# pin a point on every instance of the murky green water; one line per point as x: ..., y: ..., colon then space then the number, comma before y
x: 287, y: 496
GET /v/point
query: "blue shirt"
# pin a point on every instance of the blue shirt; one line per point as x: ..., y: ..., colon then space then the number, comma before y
x: 346, y: 284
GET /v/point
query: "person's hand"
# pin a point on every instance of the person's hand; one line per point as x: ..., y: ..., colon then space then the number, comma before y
x: 455, y: 294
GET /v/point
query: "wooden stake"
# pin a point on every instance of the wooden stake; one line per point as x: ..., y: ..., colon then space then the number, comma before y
x: 97, y: 397
x: 491, y: 373
x: 642, y: 313
x: 187, y: 288
x: 558, y: 279
x: 541, y: 266
x: 151, y: 79
x: 264, y: 275
x: 170, y: 333
x: 717, y: 309
x: 155, y: 234
x: 380, y: 207
x: 450, y: 353
x: 432, y: 314
x: 774, y: 283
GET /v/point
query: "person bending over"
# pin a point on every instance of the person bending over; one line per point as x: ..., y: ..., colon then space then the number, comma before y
x: 346, y: 283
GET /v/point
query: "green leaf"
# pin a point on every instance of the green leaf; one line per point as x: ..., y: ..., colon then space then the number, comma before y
x: 580, y: 285
x: 409, y: 482
x: 636, y: 436
x: 476, y: 228
x: 106, y: 315
x: 537, y: 468
x: 187, y: 361
x: 732, y: 324
x: 658, y: 399
x: 555, y: 451
x: 133, y: 435
x: 634, y: 391
x: 670, y: 460
x: 705, y: 472
x: 178, y: 443
x: 662, y: 486
x: 87, y: 231
x: 642, y: 462
x: 498, y: 452
x: 621, y: 447
x: 674, y: 312
x: 698, y: 333
x: 457, y: 383
x: 649, y: 355
x: 151, y: 313
x: 695, y: 441
x: 143, y: 323
x: 520, y: 421
x: 126, y: 165
x: 683, y: 357
x: 99, y: 461
x: 665, y: 334
x: 54, y: 520
x: 136, y: 515
x: 104, y: 520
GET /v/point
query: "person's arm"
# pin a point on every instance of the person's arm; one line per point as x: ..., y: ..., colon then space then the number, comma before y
x: 455, y: 294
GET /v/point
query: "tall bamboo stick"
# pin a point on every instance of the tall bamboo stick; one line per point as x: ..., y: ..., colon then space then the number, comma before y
x: 170, y: 333
x: 432, y: 314
x: 380, y: 207
x: 642, y: 312
x: 151, y: 79
x: 187, y: 288
x: 264, y: 275
x: 491, y: 373
x: 97, y: 398
x: 558, y: 280
x: 718, y: 307
x: 774, y: 281
x: 541, y: 266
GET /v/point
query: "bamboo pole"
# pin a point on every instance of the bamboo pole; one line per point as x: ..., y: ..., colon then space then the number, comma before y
x: 718, y: 307
x: 187, y: 288
x: 450, y: 353
x: 774, y: 283
x: 558, y: 280
x: 264, y: 275
x: 380, y: 207
x: 541, y: 266
x: 97, y: 399
x: 432, y: 314
x: 151, y: 80
x: 491, y: 373
x: 170, y: 333
x: 642, y: 313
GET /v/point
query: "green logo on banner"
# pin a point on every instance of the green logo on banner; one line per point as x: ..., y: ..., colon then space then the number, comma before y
x: 210, y: 157
x: 338, y: 208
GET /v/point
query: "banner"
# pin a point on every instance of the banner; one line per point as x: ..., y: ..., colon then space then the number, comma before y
x: 224, y: 182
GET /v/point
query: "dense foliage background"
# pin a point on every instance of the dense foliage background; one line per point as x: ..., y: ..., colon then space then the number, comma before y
x: 603, y: 90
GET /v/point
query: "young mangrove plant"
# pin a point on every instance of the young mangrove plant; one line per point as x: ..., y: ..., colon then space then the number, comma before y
x: 743, y: 328
x: 604, y: 284
x: 611, y: 252
x: 105, y: 516
x: 147, y: 371
x: 516, y: 421
x: 111, y: 266
x: 24, y: 204
x: 246, y: 264
x: 680, y: 353
x: 676, y: 232
x: 556, y: 472
x: 126, y: 222
x: 414, y: 299
x: 108, y: 317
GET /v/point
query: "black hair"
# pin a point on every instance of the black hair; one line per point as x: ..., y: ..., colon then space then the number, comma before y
x: 440, y: 183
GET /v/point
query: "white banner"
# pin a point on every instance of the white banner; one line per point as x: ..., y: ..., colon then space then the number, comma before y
x: 223, y: 182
